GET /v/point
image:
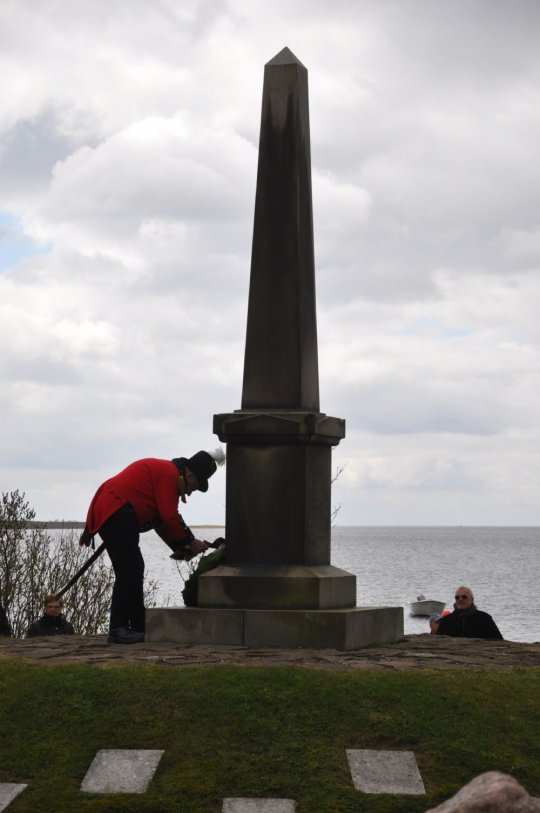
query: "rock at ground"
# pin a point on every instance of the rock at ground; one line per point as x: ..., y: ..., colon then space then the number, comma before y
x: 491, y: 792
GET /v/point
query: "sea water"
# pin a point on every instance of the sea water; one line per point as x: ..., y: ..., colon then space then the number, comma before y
x: 394, y: 565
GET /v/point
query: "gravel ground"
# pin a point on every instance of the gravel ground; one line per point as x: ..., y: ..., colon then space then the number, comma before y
x: 412, y: 652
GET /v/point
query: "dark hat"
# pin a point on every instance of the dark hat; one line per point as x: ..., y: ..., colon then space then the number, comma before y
x: 201, y: 464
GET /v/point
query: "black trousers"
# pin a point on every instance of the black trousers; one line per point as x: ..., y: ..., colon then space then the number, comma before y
x: 121, y: 536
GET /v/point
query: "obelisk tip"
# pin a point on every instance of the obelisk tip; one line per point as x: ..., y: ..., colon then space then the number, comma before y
x: 285, y: 57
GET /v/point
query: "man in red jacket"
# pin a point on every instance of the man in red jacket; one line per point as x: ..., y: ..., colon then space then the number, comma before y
x: 142, y: 497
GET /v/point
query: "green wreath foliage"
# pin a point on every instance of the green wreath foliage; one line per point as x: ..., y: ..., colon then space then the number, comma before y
x: 206, y: 563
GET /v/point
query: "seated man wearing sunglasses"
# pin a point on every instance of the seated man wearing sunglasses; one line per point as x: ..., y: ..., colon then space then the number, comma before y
x: 467, y: 621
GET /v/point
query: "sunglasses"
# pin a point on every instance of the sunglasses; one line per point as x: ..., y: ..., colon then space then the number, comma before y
x: 462, y: 596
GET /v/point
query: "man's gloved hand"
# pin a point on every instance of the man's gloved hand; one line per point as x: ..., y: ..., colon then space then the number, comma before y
x: 198, y: 546
x: 191, y: 550
x: 85, y: 539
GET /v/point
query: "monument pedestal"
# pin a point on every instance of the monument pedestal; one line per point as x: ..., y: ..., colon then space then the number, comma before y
x: 345, y: 629
x: 278, y: 499
x: 286, y: 587
x: 288, y: 606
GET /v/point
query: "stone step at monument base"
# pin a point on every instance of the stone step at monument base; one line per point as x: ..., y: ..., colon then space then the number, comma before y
x: 289, y: 587
x: 344, y: 629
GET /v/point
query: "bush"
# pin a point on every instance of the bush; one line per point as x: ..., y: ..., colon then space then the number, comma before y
x: 34, y: 563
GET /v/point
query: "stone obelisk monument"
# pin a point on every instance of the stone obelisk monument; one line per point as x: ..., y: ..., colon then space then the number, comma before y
x: 276, y: 586
x: 279, y: 443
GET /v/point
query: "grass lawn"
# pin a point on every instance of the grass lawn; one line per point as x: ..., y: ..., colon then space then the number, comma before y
x: 247, y: 731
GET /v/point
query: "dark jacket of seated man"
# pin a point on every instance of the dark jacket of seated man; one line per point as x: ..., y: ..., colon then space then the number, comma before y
x: 467, y: 621
x: 5, y: 627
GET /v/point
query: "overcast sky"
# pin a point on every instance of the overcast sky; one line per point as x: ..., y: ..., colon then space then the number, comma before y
x: 128, y: 152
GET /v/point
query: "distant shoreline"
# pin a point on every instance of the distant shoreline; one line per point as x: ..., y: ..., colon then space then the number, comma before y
x: 59, y: 525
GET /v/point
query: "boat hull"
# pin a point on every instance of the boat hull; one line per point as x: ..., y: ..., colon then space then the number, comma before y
x: 427, y: 607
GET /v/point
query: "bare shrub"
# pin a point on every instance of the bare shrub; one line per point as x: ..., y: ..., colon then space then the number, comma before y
x: 337, y: 508
x: 34, y: 562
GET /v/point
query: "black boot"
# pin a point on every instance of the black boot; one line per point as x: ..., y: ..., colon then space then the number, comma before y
x: 123, y: 635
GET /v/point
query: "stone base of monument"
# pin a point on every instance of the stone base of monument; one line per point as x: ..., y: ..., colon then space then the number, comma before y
x: 287, y: 587
x: 345, y: 629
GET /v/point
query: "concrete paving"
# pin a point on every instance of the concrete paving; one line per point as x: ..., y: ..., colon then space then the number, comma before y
x: 258, y: 806
x: 8, y: 792
x: 385, y: 772
x: 121, y: 771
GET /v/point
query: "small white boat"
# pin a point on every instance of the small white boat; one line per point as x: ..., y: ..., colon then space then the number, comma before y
x: 426, y: 606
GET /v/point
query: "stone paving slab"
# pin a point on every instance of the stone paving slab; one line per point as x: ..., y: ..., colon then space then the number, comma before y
x: 241, y: 805
x: 413, y: 652
x: 121, y: 771
x: 8, y: 792
x: 385, y: 772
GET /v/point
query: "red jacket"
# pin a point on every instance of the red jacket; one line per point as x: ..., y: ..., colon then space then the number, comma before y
x: 151, y: 486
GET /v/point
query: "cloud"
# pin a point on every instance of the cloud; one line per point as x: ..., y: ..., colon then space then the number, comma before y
x: 128, y: 154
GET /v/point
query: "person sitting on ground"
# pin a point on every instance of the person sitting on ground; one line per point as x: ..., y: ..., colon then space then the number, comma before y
x: 467, y: 621
x: 52, y: 622
x: 5, y: 626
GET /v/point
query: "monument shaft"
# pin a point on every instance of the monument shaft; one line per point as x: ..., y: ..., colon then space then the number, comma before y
x: 279, y: 444
x: 281, y: 366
